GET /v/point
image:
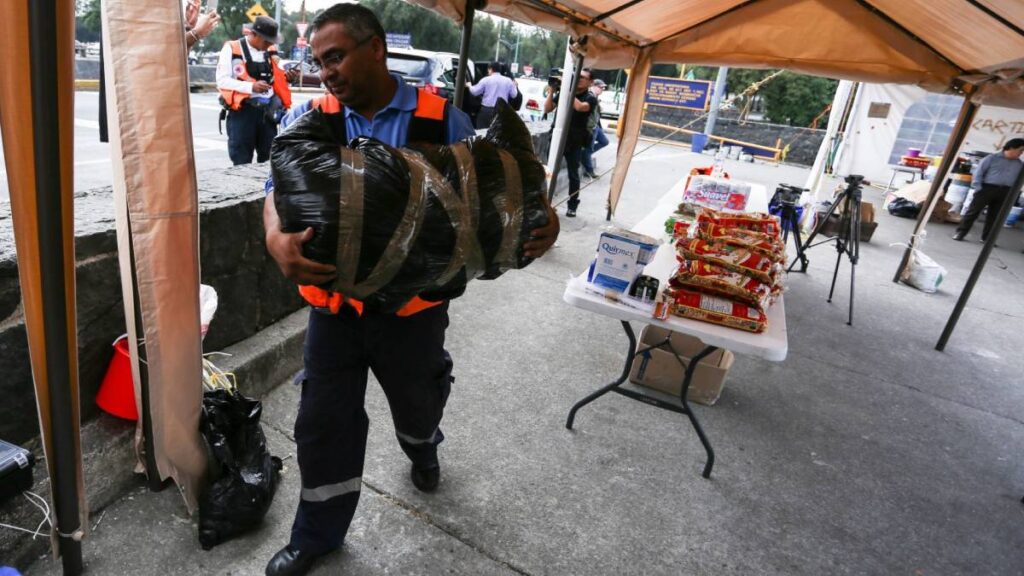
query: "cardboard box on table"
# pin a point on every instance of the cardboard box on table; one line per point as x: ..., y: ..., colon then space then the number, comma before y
x: 659, y: 370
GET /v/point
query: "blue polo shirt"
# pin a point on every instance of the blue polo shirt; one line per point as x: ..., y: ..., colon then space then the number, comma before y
x: 391, y: 124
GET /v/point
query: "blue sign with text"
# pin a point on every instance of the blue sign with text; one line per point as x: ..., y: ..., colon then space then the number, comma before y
x: 678, y: 93
x: 397, y: 40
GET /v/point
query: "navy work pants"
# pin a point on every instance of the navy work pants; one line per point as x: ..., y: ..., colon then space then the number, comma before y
x: 250, y: 129
x: 573, y: 154
x: 408, y: 358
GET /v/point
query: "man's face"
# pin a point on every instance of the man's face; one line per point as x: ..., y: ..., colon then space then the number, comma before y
x: 597, y: 90
x: 1014, y: 153
x: 258, y: 42
x: 347, y: 64
x: 584, y: 81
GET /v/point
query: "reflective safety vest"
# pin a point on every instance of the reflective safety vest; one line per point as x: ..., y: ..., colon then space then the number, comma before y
x: 428, y: 124
x: 241, y: 66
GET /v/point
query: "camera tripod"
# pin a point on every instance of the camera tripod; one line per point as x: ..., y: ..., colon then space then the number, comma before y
x: 847, y: 239
x: 786, y: 198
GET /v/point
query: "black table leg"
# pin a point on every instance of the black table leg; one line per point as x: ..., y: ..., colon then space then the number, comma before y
x: 625, y: 374
x: 689, y: 413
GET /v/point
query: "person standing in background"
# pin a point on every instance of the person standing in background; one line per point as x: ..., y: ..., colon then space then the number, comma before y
x: 253, y: 89
x: 992, y: 181
x: 495, y: 86
x: 578, y: 137
x: 598, y: 140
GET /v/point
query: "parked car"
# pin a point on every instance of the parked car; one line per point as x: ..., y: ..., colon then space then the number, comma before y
x: 310, y: 73
x: 533, y: 98
x: 612, y: 104
x: 434, y: 71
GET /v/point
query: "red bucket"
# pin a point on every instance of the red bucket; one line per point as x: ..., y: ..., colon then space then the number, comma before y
x: 117, y: 393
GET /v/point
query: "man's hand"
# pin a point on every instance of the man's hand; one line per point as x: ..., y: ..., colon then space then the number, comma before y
x: 206, y: 23
x: 260, y: 87
x: 292, y: 75
x: 541, y: 239
x: 286, y: 250
x: 191, y: 13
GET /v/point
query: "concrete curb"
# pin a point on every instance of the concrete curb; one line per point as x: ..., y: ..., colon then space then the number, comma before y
x: 259, y: 363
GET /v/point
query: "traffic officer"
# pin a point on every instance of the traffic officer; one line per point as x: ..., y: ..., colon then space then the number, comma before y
x: 344, y: 339
x: 253, y: 91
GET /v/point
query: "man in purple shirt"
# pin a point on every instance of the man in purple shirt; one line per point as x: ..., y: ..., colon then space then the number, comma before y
x: 494, y: 86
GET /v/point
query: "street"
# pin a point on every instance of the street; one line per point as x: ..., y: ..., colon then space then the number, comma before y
x: 92, y: 157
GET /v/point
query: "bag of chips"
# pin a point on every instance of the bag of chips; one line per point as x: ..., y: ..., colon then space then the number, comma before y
x: 733, y: 258
x: 715, y: 280
x: 717, y: 310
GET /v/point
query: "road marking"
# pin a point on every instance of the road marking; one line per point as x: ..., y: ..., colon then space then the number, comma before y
x: 207, y: 107
x: 198, y: 142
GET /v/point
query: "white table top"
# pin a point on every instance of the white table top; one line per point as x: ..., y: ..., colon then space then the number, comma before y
x: 772, y: 344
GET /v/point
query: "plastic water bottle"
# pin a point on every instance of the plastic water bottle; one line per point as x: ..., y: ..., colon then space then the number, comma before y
x: 719, y: 166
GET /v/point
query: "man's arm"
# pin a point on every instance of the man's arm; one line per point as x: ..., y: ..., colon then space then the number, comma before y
x: 979, y: 173
x: 582, y: 105
x: 226, y: 75
x: 478, y: 88
x: 549, y: 103
x: 286, y: 250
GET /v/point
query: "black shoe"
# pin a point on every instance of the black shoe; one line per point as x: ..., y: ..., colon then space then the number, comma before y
x: 291, y: 562
x: 959, y: 236
x: 425, y: 479
x: 571, y: 212
x: 593, y: 176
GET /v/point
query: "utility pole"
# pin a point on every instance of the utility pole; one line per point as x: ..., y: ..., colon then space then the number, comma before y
x: 277, y: 15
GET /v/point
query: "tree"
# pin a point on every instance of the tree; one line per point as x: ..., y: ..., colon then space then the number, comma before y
x: 797, y: 99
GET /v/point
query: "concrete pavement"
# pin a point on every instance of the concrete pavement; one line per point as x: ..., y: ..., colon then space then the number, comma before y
x: 865, y: 452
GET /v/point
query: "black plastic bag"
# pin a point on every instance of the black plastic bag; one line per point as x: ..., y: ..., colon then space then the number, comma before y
x: 903, y: 208
x: 243, y: 476
x: 418, y: 221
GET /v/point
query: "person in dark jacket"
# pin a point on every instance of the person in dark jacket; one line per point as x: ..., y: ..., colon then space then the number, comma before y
x: 993, y: 180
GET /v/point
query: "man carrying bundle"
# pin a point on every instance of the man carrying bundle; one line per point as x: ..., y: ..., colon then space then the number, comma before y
x: 405, y: 350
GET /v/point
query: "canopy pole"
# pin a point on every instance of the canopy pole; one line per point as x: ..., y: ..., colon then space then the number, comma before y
x: 564, y: 109
x: 956, y: 138
x: 716, y: 100
x: 979, y: 265
x: 630, y: 122
x: 460, y: 75
x: 56, y: 316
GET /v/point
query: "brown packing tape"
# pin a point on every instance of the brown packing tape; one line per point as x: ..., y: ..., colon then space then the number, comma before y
x: 458, y: 215
x: 471, y: 196
x: 510, y: 206
x: 350, y: 218
x: 405, y: 235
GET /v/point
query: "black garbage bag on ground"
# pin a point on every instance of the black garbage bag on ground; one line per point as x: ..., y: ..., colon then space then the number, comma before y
x: 423, y: 220
x: 243, y: 476
x: 904, y: 208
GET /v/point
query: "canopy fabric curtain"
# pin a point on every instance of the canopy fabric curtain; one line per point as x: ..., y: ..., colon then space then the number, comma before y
x: 157, y: 215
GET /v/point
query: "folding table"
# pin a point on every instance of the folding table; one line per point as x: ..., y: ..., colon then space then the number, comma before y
x: 772, y: 344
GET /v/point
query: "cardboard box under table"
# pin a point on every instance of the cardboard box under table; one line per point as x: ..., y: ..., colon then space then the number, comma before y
x: 772, y: 344
x: 663, y: 368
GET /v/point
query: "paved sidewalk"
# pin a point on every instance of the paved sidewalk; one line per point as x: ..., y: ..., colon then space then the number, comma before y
x: 865, y: 452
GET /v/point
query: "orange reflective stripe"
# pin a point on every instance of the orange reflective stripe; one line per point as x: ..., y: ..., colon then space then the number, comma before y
x: 430, y: 106
x: 327, y: 104
x: 417, y: 305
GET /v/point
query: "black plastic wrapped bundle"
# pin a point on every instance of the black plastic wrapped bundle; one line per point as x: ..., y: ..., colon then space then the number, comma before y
x: 418, y: 221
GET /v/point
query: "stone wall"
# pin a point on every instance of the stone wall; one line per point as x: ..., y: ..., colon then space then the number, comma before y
x: 803, y: 142
x: 252, y: 292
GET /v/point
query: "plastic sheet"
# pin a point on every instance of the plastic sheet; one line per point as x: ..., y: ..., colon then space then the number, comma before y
x: 244, y: 475
x: 422, y: 220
